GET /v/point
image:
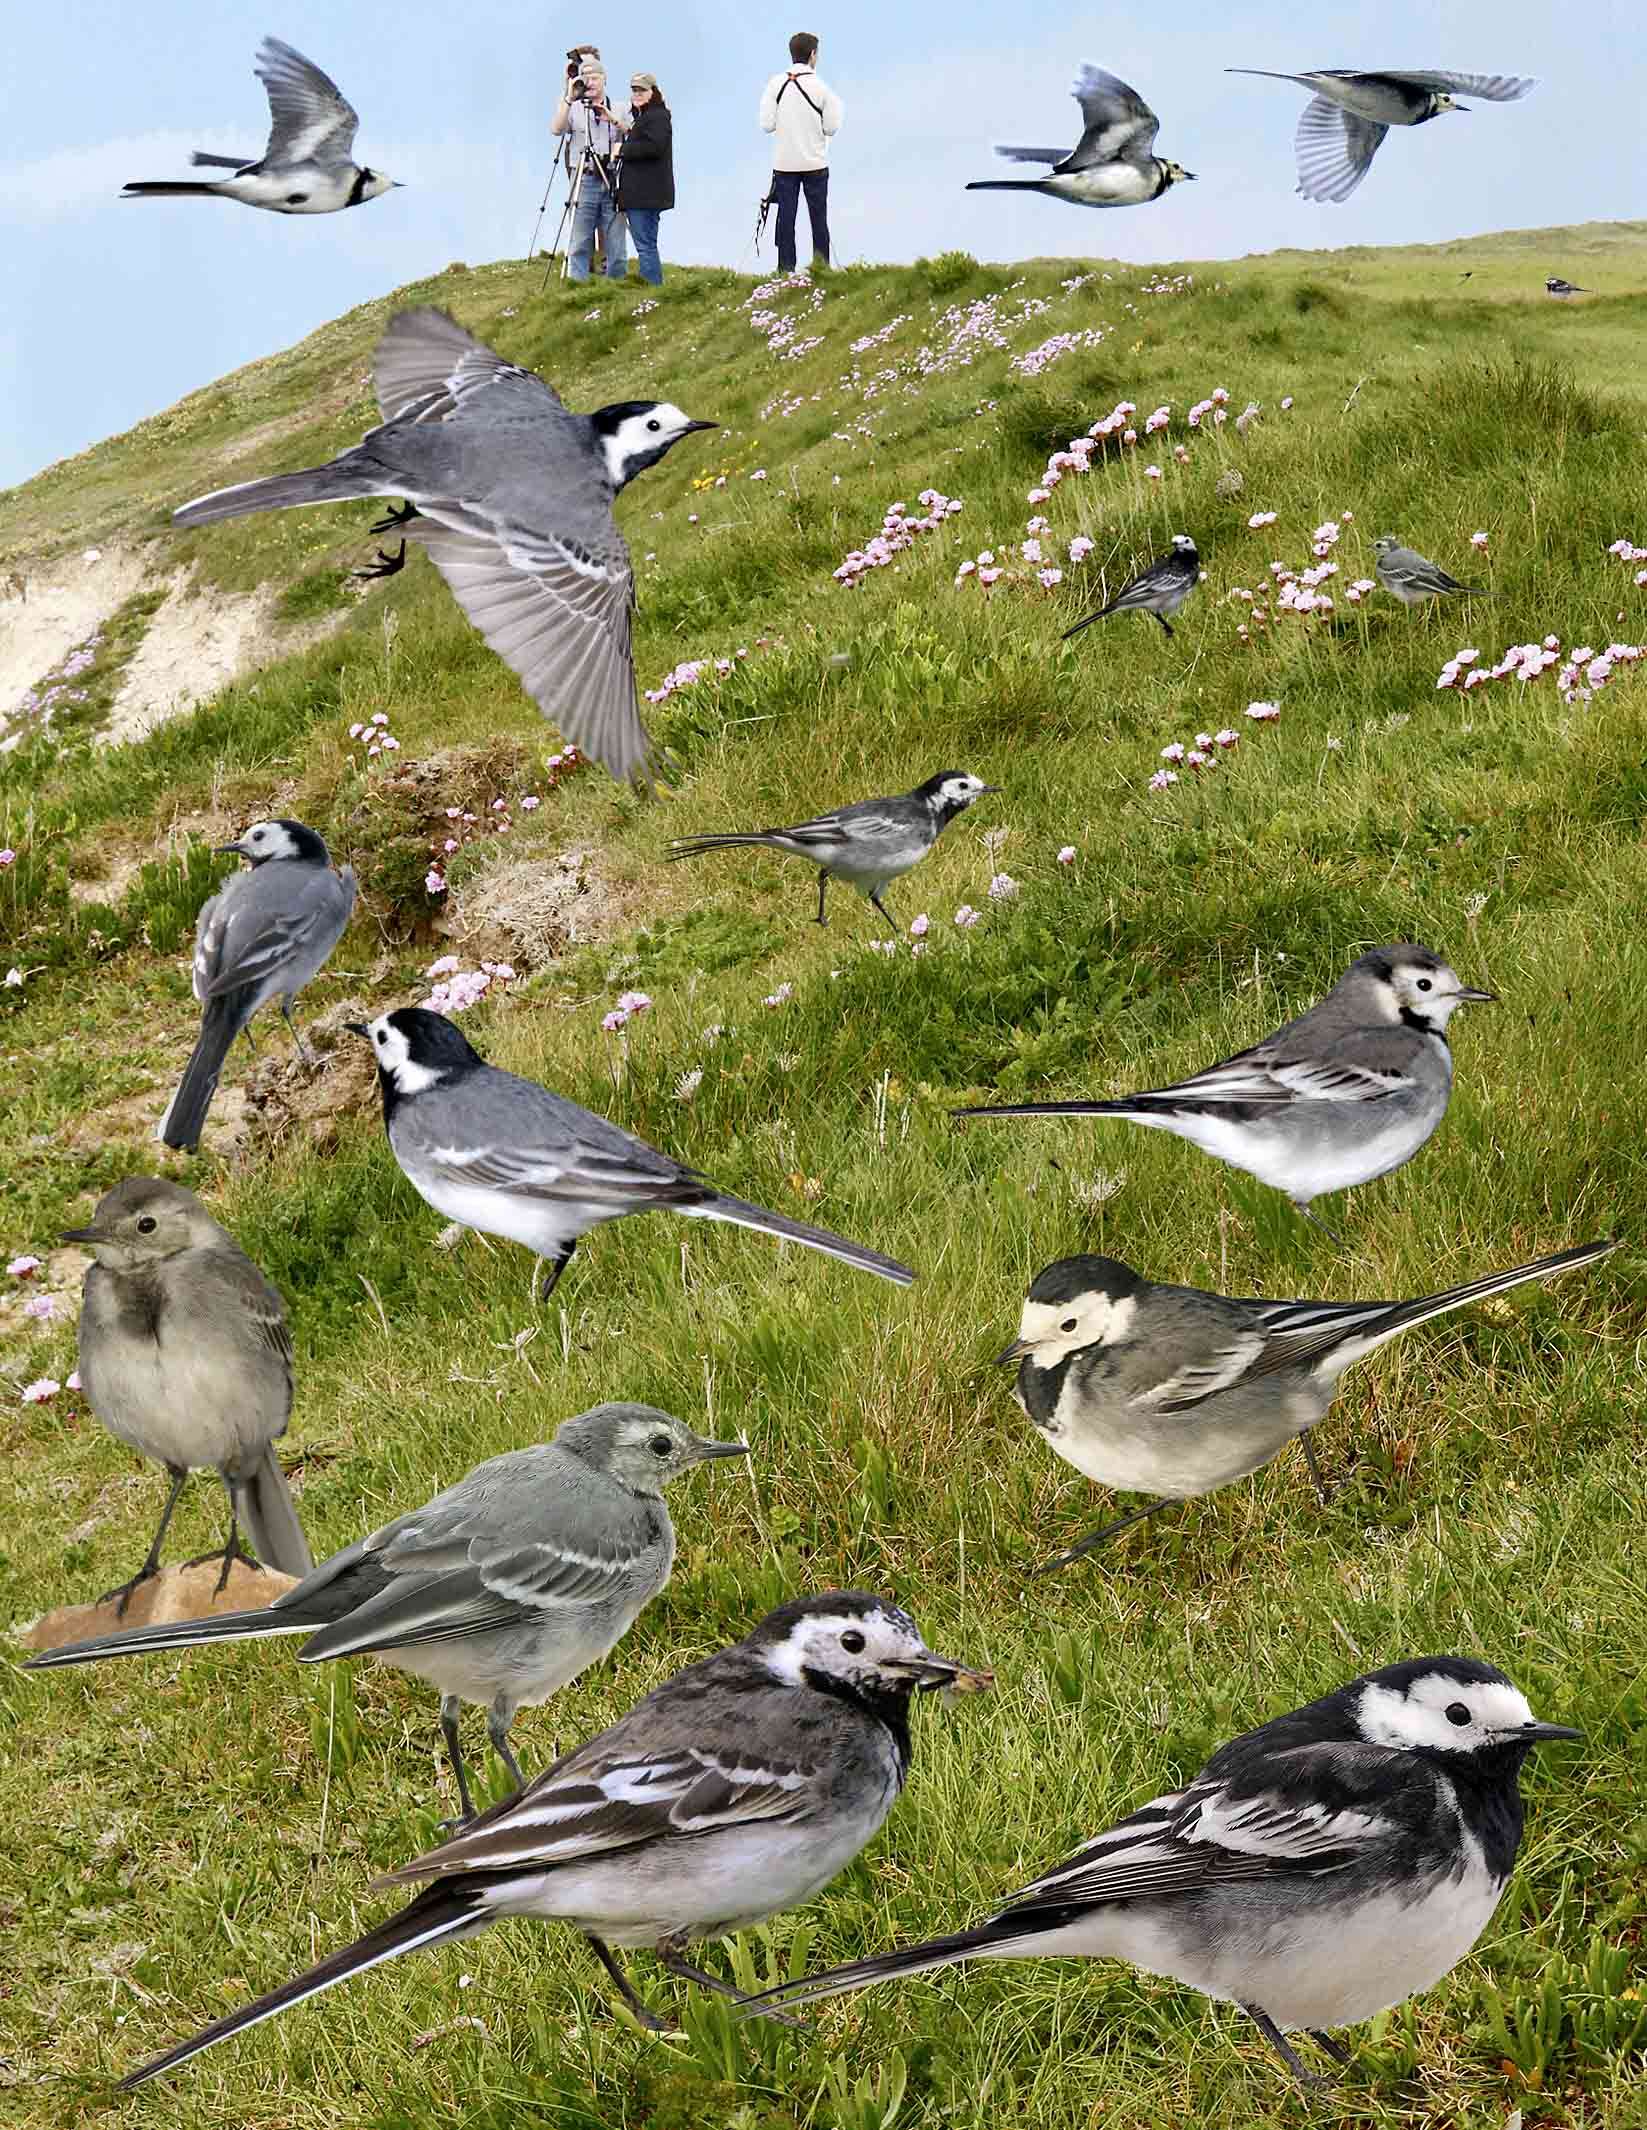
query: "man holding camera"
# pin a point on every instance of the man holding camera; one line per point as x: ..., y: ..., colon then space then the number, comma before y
x: 804, y: 116
x: 594, y: 134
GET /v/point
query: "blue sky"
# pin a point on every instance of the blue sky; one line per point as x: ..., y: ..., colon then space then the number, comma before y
x: 112, y: 309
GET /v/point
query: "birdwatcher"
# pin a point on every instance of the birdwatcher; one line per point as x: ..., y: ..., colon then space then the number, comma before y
x: 803, y: 114
x: 595, y: 134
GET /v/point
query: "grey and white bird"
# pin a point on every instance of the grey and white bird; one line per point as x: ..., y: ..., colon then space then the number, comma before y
x: 510, y: 495
x: 1159, y: 590
x: 1344, y: 123
x: 185, y: 1356
x: 1113, y: 164
x: 509, y: 1157
x: 500, y: 1591
x: 308, y: 166
x: 1563, y: 291
x: 1411, y: 577
x: 1174, y: 1392
x: 263, y: 935
x: 735, y: 1790
x: 1343, y: 1094
x: 1328, y: 1865
x: 868, y: 844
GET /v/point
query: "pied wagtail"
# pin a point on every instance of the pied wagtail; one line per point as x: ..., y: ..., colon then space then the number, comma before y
x: 510, y: 495
x: 1330, y: 1864
x: 737, y: 1789
x: 1562, y: 290
x: 507, y: 1156
x: 1411, y: 577
x: 1173, y: 1392
x: 263, y: 935
x: 868, y: 844
x: 1344, y: 1093
x: 1159, y: 590
x: 1113, y: 164
x: 308, y: 166
x: 500, y: 1590
x: 185, y: 1356
x: 1344, y: 123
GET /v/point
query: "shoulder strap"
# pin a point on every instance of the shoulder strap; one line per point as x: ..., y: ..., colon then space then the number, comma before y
x: 790, y: 82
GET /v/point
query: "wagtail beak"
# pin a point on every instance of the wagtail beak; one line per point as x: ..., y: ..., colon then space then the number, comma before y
x: 357, y: 1028
x: 1542, y: 1733
x: 930, y: 1671
x: 699, y: 425
x: 1472, y: 997
x: 92, y: 1234
x: 1017, y: 1351
x: 707, y: 1448
x: 224, y: 850
x: 987, y: 789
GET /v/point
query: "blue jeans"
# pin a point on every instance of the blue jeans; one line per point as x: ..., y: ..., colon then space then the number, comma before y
x: 787, y: 187
x: 643, y: 227
x: 597, y: 210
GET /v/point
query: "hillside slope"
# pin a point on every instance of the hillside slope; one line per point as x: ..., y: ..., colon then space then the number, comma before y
x: 191, y: 1830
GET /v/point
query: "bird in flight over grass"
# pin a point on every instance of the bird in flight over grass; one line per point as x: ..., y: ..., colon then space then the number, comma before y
x: 1344, y: 123
x: 1113, y: 164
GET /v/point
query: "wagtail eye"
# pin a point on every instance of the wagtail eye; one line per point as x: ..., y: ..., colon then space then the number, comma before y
x: 852, y: 1640
x: 1457, y: 1713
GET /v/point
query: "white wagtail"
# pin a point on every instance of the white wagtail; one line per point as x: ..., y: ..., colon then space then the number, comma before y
x: 1113, y: 164
x: 868, y: 844
x: 1159, y: 590
x: 1345, y: 121
x: 501, y: 1590
x: 1173, y: 1392
x: 507, y: 1156
x: 1411, y: 577
x: 510, y: 496
x: 1330, y: 1864
x: 308, y: 166
x: 737, y: 1789
x: 1344, y: 1093
x: 263, y: 935
x: 1562, y: 290
x: 185, y: 1356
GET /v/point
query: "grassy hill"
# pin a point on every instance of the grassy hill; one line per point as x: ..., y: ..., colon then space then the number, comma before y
x: 183, y: 1832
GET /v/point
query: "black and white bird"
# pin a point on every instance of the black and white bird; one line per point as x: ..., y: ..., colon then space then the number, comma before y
x: 1563, y: 290
x: 186, y: 1357
x: 868, y: 844
x: 1320, y: 1869
x: 1174, y: 1392
x: 500, y: 1591
x: 735, y: 1790
x: 1348, y: 115
x: 263, y: 935
x: 510, y: 495
x: 1412, y: 578
x: 1113, y: 164
x: 1345, y: 1093
x: 507, y: 1156
x: 1159, y: 590
x: 308, y: 166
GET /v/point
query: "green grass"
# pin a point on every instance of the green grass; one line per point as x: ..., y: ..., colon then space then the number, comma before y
x: 183, y: 1833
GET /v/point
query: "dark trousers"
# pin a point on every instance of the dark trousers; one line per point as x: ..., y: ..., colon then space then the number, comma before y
x: 787, y: 187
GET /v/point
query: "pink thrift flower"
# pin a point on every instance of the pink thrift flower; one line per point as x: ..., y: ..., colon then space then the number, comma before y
x: 434, y: 883
x: 1080, y: 547
x: 23, y: 1267
x: 634, y: 1002
x: 8, y: 857
x: 37, y: 1392
x: 1263, y: 713
x: 1152, y: 473
x: 1162, y: 778
x: 1050, y: 577
x: 1261, y: 518
x: 613, y: 1021
x: 1067, y: 855
x: 74, y: 1382
x: 966, y: 916
x: 921, y: 926
x: 1031, y: 551
x: 1225, y: 738
x: 444, y: 967
x: 1174, y: 752
x: 780, y: 997
x: 1002, y: 888
x: 1478, y: 539
x: 41, y: 1305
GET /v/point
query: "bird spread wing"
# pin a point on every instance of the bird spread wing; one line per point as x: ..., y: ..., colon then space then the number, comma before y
x: 247, y: 939
x: 1335, y: 149
x: 426, y: 365
x: 1031, y: 155
x: 603, y: 1798
x: 1312, y: 1811
x: 558, y: 614
x: 1491, y: 88
x: 1120, y: 126
x: 310, y: 118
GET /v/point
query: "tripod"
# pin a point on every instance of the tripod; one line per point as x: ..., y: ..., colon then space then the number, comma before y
x: 588, y: 159
x: 556, y: 162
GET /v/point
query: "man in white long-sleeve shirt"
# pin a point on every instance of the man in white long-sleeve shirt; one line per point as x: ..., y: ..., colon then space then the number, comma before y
x: 804, y: 115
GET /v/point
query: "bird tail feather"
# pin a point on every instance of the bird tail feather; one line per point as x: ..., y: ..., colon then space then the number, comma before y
x: 270, y: 1516
x: 880, y: 1967
x: 201, y: 160
x: 186, y: 1111
x: 170, y: 189
x: 340, y: 482
x: 265, y: 1621
x: 1005, y: 184
x: 1052, y: 1109
x: 440, y: 1913
x: 695, y: 846
x: 1402, y: 1316
x: 717, y: 1205
x: 1088, y: 619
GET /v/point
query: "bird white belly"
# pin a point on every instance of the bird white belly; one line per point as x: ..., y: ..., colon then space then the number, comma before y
x: 1180, y: 1456
x: 179, y: 1406
x: 1312, y: 1148
x: 542, y: 1226
x: 1109, y: 185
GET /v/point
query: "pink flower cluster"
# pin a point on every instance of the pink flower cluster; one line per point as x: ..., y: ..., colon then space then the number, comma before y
x: 1628, y: 554
x: 1583, y: 671
x: 458, y: 988
x: 54, y: 692
x: 1207, y: 748
x: 1167, y: 285
x: 782, y: 333
x: 879, y: 339
x: 898, y: 531
x: 628, y: 1008
x: 463, y: 827
x: 1297, y: 592
x: 1034, y: 360
x: 375, y: 736
x: 691, y: 670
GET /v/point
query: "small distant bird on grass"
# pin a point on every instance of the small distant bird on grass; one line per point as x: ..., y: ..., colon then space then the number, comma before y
x: 1562, y: 290
x: 1113, y: 164
x: 263, y: 935
x: 308, y: 166
x: 1345, y: 1093
x: 507, y: 1156
x: 1159, y: 590
x: 1174, y: 1392
x: 1319, y: 1870
x: 1412, y: 579
x: 868, y: 844
x: 1345, y: 121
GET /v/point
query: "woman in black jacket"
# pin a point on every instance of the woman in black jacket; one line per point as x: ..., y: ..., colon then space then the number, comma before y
x: 646, y: 177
